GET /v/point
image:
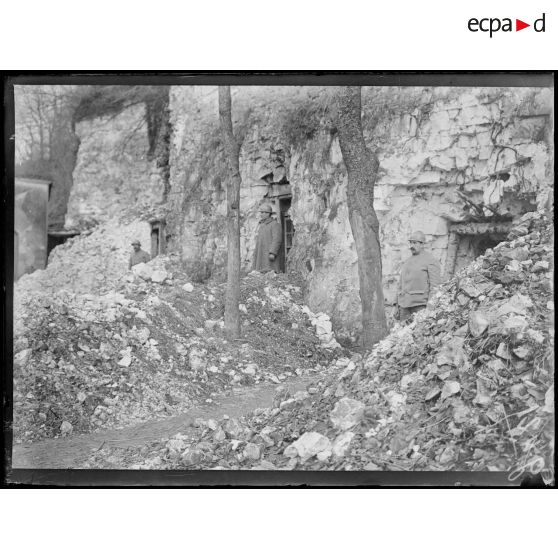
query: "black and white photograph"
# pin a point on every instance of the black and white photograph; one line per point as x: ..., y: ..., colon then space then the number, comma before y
x: 299, y: 275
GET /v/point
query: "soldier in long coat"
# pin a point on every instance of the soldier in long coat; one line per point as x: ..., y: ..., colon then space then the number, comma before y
x: 268, y: 241
x: 420, y: 277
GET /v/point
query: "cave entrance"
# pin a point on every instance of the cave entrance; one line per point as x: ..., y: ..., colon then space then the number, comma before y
x: 57, y: 237
x: 288, y: 230
x: 158, y: 237
x: 468, y: 241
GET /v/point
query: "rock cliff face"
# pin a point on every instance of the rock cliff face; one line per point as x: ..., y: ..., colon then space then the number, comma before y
x: 113, y: 171
x: 434, y: 144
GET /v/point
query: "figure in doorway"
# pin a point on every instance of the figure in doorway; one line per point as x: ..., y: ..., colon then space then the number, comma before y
x: 138, y: 255
x: 268, y: 241
x: 420, y: 277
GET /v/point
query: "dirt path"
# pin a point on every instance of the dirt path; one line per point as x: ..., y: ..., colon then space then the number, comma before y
x: 64, y: 453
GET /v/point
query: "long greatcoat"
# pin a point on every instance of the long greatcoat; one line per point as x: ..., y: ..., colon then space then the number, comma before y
x: 268, y: 241
x: 420, y: 277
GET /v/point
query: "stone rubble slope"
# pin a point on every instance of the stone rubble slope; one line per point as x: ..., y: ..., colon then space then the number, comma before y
x: 94, y: 262
x: 148, y: 343
x: 468, y: 385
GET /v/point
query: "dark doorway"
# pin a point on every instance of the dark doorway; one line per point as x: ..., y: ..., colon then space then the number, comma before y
x: 154, y: 241
x: 468, y: 241
x: 158, y: 238
x: 472, y: 246
x: 288, y: 230
x: 484, y: 242
x: 56, y: 238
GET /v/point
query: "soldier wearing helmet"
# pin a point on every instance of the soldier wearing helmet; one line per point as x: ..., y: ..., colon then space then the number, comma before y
x: 420, y: 277
x: 138, y: 255
x: 268, y: 241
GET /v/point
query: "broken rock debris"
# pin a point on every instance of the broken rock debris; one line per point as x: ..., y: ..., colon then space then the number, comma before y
x: 467, y: 385
x: 152, y: 348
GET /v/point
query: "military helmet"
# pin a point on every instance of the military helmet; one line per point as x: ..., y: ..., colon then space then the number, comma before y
x: 266, y: 208
x: 418, y: 236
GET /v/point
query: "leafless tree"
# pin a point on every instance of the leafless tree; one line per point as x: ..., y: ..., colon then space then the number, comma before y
x: 232, y: 152
x: 46, y: 140
x: 362, y: 168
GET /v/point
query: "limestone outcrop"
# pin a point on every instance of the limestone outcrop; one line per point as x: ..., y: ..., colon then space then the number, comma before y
x: 448, y: 156
x: 457, y: 163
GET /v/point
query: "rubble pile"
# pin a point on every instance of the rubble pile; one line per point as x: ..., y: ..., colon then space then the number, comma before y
x: 148, y: 348
x: 96, y: 261
x: 468, y: 385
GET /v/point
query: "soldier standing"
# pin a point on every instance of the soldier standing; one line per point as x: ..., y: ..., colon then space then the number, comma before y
x: 420, y: 277
x: 268, y: 241
x: 138, y: 255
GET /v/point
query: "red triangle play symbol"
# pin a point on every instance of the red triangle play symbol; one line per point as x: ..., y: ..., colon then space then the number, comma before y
x: 519, y: 25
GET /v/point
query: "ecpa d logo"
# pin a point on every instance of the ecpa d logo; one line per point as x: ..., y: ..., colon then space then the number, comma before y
x: 492, y: 25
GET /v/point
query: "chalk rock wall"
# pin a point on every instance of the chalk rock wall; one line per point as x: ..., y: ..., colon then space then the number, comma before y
x: 113, y: 171
x: 198, y: 172
x: 492, y: 145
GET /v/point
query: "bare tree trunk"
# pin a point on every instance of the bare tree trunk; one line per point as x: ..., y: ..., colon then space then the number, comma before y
x: 64, y: 147
x: 232, y: 150
x: 362, y: 168
x: 41, y: 128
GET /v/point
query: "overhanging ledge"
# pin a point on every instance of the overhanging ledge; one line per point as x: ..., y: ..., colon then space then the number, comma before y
x: 480, y: 228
